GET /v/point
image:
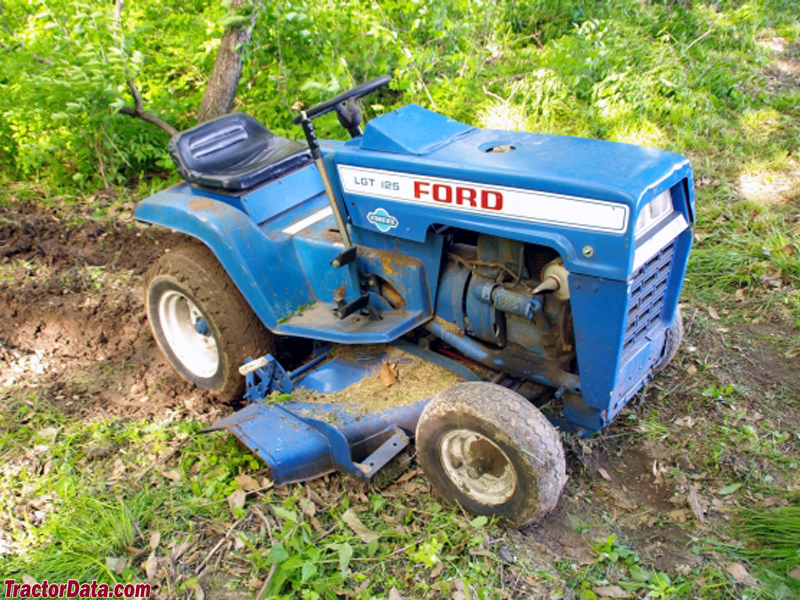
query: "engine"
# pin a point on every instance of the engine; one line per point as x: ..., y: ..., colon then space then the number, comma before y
x: 503, y: 295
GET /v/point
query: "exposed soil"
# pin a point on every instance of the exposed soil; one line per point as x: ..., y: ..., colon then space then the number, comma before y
x: 71, y: 314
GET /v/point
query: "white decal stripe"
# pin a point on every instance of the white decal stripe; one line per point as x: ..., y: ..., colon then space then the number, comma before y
x: 663, y: 237
x: 526, y: 205
x: 308, y: 221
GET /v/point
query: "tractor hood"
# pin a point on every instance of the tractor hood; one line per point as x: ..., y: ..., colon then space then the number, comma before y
x: 417, y: 140
x: 414, y: 169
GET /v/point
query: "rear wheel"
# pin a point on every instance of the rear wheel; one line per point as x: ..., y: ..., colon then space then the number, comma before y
x: 201, y: 322
x: 492, y: 452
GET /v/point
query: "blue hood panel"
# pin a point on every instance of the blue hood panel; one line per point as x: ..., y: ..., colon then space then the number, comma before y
x: 412, y: 130
x: 415, y: 140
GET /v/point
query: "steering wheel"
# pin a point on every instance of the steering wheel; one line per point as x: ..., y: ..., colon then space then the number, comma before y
x: 323, y: 108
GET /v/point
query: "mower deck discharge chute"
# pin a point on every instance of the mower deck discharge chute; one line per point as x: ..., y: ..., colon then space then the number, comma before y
x: 531, y: 269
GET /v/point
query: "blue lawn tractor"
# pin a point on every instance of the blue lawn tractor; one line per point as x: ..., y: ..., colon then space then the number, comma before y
x: 552, y: 263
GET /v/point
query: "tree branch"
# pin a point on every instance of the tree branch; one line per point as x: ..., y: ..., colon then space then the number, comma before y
x: 18, y: 44
x: 139, y: 113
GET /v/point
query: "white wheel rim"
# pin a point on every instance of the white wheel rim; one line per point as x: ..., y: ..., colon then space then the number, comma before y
x: 183, y: 325
x: 478, y: 467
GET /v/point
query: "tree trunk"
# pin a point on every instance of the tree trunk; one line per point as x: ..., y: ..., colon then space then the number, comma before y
x: 221, y: 88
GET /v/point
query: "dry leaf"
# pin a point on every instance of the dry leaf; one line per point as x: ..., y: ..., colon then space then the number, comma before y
x: 795, y: 573
x: 360, y: 529
x: 794, y: 352
x: 173, y: 474
x: 395, y: 595
x: 611, y: 591
x: 29, y: 580
x: 155, y: 539
x: 691, y: 370
x: 677, y: 515
x: 740, y: 574
x: 460, y: 593
x: 316, y: 524
x: 180, y: 550
x: 712, y: 312
x: 387, y: 375
x: 740, y: 294
x: 237, y: 498
x: 199, y: 594
x: 694, y: 504
x: 410, y: 475
x: 437, y: 570
x: 247, y: 483
x: 603, y: 473
x: 151, y: 566
x: 686, y: 421
x: 309, y: 508
x: 116, y: 564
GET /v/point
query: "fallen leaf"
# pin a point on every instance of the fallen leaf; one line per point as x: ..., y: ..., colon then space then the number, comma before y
x: 712, y: 312
x: 119, y: 469
x: 686, y: 421
x: 611, y: 591
x: 180, y: 550
x: 603, y: 473
x: 309, y: 508
x: 729, y: 489
x: 506, y: 555
x: 116, y: 564
x: 247, y: 483
x: 739, y: 294
x: 677, y: 515
x: 29, y: 580
x: 694, y: 504
x: 794, y: 352
x: 155, y: 539
x: 410, y: 475
x: 740, y: 574
x: 237, y: 498
x: 437, y: 570
x: 194, y: 585
x: 49, y: 433
x: 795, y: 573
x: 151, y: 566
x: 692, y: 370
x: 395, y: 595
x: 360, y: 529
x: 173, y: 474
x: 460, y: 593
x: 386, y: 375
x: 316, y: 524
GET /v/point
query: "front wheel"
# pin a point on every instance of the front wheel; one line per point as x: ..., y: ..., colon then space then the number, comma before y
x: 491, y: 451
x: 672, y: 343
x: 201, y: 322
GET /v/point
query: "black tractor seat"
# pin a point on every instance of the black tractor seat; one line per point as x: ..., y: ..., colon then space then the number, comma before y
x: 234, y: 152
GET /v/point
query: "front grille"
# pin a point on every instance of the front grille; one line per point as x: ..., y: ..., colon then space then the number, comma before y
x: 648, y: 288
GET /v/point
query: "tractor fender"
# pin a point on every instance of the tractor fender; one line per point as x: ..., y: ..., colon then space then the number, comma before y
x: 266, y: 270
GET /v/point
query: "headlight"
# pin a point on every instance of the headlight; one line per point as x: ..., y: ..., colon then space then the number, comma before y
x: 653, y: 212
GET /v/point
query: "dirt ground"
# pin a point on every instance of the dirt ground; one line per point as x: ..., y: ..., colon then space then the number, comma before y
x: 72, y: 324
x: 72, y: 317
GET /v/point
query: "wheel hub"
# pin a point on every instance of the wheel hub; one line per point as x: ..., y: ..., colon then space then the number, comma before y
x: 188, y: 334
x: 478, y: 467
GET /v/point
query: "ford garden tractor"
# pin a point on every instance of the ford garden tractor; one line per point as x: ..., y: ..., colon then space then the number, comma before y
x: 453, y: 280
